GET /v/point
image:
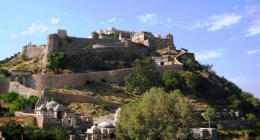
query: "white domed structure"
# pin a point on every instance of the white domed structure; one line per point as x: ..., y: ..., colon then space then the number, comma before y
x: 100, y: 31
x: 111, y: 29
x: 105, y: 124
x: 51, y: 104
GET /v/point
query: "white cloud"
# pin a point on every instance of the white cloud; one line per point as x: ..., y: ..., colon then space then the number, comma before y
x: 54, y: 20
x: 35, y: 27
x: 210, y: 54
x: 112, y: 19
x: 251, y: 9
x: 13, y: 35
x: 225, y: 20
x: 233, y: 38
x: 196, y: 24
x: 253, y: 30
x: 253, y: 51
x: 148, y: 19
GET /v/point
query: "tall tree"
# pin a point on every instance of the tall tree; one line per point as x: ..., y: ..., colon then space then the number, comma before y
x: 143, y: 77
x: 171, y: 79
x: 189, y: 79
x: 57, y: 61
x: 210, y: 114
x: 158, y: 115
x: 12, y: 130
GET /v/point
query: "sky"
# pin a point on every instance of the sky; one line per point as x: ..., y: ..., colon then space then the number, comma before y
x: 223, y: 33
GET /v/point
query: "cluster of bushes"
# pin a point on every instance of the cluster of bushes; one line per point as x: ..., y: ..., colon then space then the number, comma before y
x: 11, y: 64
x: 18, y: 102
x: 3, y: 72
x: 13, y: 130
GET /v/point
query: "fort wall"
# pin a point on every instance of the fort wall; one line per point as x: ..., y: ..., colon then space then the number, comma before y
x: 39, y: 81
x: 22, y: 90
x: 4, y: 83
x: 32, y: 51
x: 9, y: 58
x: 69, y: 98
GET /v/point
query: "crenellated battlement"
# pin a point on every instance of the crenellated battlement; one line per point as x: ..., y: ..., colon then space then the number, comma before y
x: 10, y: 58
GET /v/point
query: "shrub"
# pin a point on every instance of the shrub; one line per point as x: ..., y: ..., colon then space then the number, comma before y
x: 3, y: 72
x: 250, y: 116
x: 9, y: 97
x: 104, y: 106
x: 22, y: 67
x: 65, y: 37
x: 89, y: 47
x: 23, y: 56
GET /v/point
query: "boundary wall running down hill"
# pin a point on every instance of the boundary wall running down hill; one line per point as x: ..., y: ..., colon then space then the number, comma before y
x: 10, y: 58
x: 22, y: 90
x: 39, y: 81
x: 4, y: 83
x: 69, y: 98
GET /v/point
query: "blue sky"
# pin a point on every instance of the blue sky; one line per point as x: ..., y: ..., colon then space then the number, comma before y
x: 223, y: 33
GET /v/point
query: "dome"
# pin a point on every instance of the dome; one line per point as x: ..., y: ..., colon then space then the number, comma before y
x: 94, y: 127
x: 100, y: 31
x: 42, y: 107
x: 105, y: 125
x: 111, y: 29
x: 51, y: 104
x: 59, y: 107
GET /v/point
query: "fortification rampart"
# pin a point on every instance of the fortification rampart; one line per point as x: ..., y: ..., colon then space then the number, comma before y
x: 22, y: 90
x: 69, y: 98
x: 32, y: 51
x: 39, y: 81
x: 4, y: 83
x: 10, y: 58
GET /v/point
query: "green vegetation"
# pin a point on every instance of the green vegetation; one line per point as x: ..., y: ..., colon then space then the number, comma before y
x: 23, y: 56
x: 157, y: 115
x: 9, y: 97
x: 11, y: 64
x: 57, y: 61
x: 13, y: 130
x: 143, y: 78
x: 17, y: 101
x: 210, y: 114
x: 22, y: 68
x: 3, y: 72
x: 89, y: 47
x: 65, y: 37
x: 171, y: 79
x: 250, y: 116
x: 113, y: 36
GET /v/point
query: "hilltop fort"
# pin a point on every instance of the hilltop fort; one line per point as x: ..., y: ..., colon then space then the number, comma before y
x: 94, y: 58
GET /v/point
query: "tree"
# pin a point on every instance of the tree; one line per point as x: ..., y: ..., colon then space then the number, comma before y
x: 57, y: 61
x: 143, y: 77
x: 12, y: 130
x: 171, y: 79
x: 55, y: 133
x: 158, y: 115
x: 32, y: 101
x: 9, y: 97
x: 190, y: 64
x: 210, y: 114
x: 189, y: 79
